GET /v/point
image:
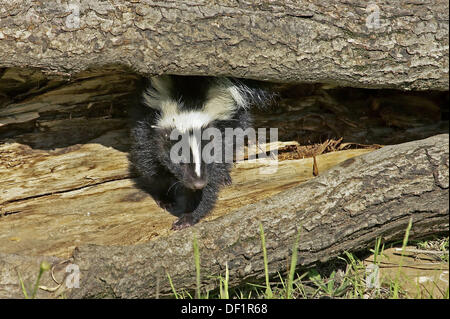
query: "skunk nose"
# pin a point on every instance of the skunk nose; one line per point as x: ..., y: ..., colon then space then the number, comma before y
x: 199, y: 184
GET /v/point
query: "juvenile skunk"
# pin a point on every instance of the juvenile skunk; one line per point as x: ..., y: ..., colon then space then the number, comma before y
x: 187, y: 104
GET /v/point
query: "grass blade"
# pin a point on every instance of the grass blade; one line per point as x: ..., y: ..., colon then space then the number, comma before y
x: 293, y: 266
x: 172, y: 286
x: 24, y: 290
x: 405, y: 242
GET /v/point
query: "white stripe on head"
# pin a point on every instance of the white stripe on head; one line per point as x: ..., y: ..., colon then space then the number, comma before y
x: 238, y: 97
x: 223, y: 99
x: 183, y: 121
x: 195, y: 147
x: 158, y: 97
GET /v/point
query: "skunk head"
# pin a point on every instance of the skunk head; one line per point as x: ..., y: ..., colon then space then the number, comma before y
x: 180, y: 153
x: 185, y: 107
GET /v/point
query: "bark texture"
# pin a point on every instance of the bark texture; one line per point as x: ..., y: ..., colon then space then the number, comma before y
x: 352, y: 43
x: 346, y: 208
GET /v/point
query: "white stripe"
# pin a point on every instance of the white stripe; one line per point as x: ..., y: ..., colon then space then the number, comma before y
x: 155, y: 95
x: 238, y: 97
x: 183, y: 121
x: 195, y: 147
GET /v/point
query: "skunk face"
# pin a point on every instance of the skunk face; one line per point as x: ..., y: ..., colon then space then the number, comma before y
x: 183, y: 108
x: 185, y: 162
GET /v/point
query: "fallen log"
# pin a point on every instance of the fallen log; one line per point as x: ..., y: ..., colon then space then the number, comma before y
x: 348, y: 43
x: 345, y: 208
x: 55, y: 200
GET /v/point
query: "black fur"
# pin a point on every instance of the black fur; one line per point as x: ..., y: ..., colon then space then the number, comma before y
x: 171, y: 184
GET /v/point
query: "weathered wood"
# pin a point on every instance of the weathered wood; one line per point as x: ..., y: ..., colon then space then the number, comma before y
x: 93, y: 103
x: 32, y: 94
x: 345, y: 208
x: 55, y: 200
x: 350, y: 43
x: 423, y: 273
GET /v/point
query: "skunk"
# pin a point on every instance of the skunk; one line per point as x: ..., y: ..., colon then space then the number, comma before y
x: 187, y: 105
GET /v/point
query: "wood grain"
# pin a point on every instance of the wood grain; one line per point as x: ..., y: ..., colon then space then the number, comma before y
x: 53, y: 201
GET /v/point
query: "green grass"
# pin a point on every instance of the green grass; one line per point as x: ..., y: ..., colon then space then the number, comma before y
x: 435, y: 244
x: 397, y: 279
x: 223, y: 284
x: 345, y: 277
x: 45, y: 266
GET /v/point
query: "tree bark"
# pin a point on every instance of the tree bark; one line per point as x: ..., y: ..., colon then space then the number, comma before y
x: 345, y: 208
x: 347, y: 43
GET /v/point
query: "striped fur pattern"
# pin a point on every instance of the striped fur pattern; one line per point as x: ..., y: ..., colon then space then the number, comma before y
x: 187, y: 104
x: 220, y: 102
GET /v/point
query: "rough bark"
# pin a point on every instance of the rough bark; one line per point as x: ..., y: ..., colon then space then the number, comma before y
x: 352, y: 43
x: 345, y: 208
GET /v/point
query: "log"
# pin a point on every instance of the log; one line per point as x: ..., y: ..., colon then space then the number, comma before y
x: 346, y: 43
x: 53, y: 201
x: 343, y: 209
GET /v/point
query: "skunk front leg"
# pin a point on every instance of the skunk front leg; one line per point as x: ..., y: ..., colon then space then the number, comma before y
x: 206, y: 204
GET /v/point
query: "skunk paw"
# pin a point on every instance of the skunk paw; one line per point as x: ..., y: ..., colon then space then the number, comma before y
x: 184, y: 221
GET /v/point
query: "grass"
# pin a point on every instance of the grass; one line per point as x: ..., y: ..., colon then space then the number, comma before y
x: 268, y: 292
x: 345, y: 277
x: 436, y: 245
x: 45, y: 266
x: 223, y: 284
x: 397, y: 280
